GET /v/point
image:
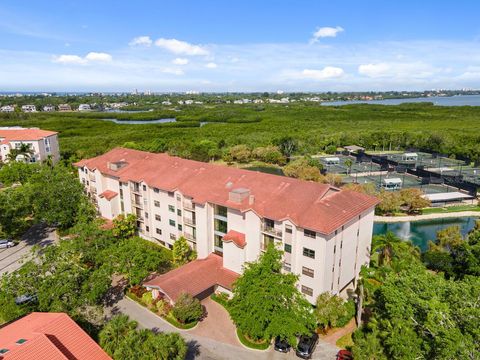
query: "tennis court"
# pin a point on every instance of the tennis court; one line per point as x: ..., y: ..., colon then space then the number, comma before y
x: 341, y: 168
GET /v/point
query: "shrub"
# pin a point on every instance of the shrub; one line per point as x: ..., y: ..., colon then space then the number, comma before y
x: 349, y: 314
x: 138, y: 291
x: 147, y: 298
x: 187, y: 309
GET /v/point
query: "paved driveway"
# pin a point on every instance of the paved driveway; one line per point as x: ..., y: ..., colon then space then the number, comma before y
x: 11, y: 259
x: 209, y: 341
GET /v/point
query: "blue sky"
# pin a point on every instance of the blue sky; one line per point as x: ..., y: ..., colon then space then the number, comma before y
x: 238, y: 45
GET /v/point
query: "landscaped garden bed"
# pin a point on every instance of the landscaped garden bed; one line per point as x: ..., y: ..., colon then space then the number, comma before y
x: 184, y: 315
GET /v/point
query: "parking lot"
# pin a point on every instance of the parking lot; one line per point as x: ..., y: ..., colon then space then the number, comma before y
x: 11, y: 259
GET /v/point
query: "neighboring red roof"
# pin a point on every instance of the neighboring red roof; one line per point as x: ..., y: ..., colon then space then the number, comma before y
x: 24, y: 134
x: 238, y: 238
x: 311, y: 205
x: 108, y: 194
x: 194, y: 277
x: 49, y: 336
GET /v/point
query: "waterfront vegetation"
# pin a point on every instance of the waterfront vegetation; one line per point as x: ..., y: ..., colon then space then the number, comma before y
x: 317, y: 129
x: 451, y: 209
x: 421, y: 307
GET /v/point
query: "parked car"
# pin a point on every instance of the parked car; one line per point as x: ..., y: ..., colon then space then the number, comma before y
x: 281, y: 345
x: 344, y: 355
x: 4, y: 244
x: 306, y: 345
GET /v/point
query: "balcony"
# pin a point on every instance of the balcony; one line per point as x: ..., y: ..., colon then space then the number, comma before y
x: 92, y: 178
x: 137, y: 204
x: 93, y: 189
x: 271, y: 231
x: 135, y: 188
x: 188, y: 205
x: 188, y: 221
x: 189, y: 236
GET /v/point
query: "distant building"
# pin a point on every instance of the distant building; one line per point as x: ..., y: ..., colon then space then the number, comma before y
x: 7, y: 108
x: 42, y: 142
x: 64, y: 107
x: 166, y: 103
x: 410, y: 157
x: 84, y: 107
x: 332, y: 160
x: 49, y: 108
x: 29, y: 108
x: 47, y: 336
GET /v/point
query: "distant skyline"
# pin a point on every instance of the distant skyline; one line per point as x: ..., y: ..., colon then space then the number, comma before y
x: 245, y: 46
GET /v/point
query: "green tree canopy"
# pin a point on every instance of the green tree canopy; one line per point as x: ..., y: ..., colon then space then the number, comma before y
x: 182, y: 252
x: 266, y: 302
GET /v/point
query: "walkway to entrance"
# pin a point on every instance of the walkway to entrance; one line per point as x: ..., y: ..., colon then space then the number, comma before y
x: 217, y: 325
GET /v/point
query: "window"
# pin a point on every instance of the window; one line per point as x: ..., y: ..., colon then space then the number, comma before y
x: 179, y: 198
x: 156, y: 203
x: 144, y: 187
x: 310, y: 234
x: 173, y: 237
x: 287, y: 267
x: 307, y: 291
x: 121, y: 193
x: 288, y: 229
x: 171, y: 222
x: 158, y: 231
x: 269, y: 224
x: 221, y: 226
x: 288, y: 248
x: 218, y: 242
x: 179, y: 212
x: 307, y: 272
x: 146, y: 215
x: 309, y: 253
x: 221, y: 210
x: 147, y: 228
x: 171, y: 208
x: 179, y: 227
x: 170, y: 193
x: 122, y: 207
x: 156, y: 190
x: 158, y: 217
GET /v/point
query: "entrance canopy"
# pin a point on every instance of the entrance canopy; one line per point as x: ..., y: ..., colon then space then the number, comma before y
x: 194, y: 278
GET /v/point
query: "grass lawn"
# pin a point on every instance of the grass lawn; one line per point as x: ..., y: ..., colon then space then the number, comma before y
x: 345, y: 342
x: 450, y: 209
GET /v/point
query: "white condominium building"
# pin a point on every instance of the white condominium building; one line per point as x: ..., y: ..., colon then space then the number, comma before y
x: 43, y: 143
x: 325, y: 232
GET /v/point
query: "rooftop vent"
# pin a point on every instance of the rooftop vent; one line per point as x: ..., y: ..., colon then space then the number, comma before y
x: 21, y: 341
x: 238, y: 195
x: 3, y: 351
x: 117, y: 165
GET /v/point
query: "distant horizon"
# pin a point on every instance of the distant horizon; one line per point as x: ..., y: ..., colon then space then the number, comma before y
x: 190, y: 92
x: 252, y: 46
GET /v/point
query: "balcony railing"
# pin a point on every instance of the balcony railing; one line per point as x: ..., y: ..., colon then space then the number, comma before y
x: 135, y: 189
x: 188, y: 205
x: 272, y: 231
x: 188, y: 221
x: 189, y: 236
x: 92, y: 178
x: 137, y: 204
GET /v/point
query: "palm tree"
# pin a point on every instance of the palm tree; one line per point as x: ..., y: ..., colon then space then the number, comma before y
x: 114, y: 333
x: 24, y: 149
x: 385, y: 245
x: 348, y: 163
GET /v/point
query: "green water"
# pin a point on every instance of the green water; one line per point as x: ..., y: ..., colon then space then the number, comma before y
x: 421, y: 232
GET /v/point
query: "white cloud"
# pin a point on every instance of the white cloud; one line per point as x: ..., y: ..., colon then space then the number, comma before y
x: 180, y: 61
x: 374, y: 70
x: 211, y: 65
x: 328, y: 72
x: 98, y: 56
x: 91, y: 57
x: 181, y: 47
x: 174, y: 71
x: 326, y: 31
x: 69, y: 59
x: 141, y: 41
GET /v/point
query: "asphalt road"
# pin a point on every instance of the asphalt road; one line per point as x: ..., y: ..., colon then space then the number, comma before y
x: 12, y: 259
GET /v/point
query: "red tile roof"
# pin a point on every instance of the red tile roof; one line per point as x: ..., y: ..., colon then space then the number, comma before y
x: 194, y: 277
x: 22, y: 134
x: 311, y: 205
x: 238, y: 238
x: 49, y: 336
x: 108, y: 194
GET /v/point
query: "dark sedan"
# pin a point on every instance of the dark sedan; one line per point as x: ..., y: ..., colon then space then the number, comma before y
x: 281, y: 345
x: 306, y: 345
